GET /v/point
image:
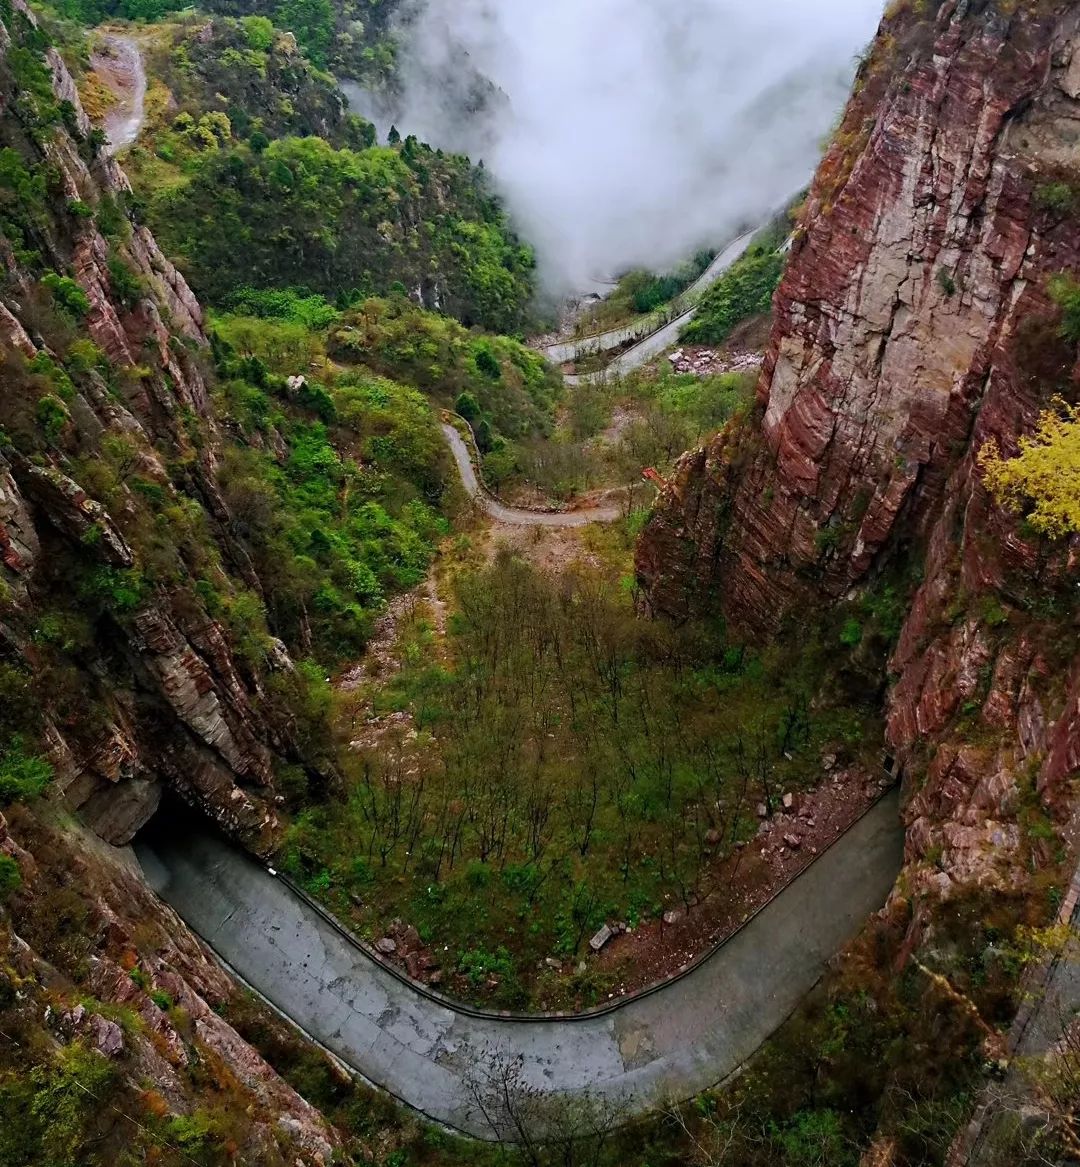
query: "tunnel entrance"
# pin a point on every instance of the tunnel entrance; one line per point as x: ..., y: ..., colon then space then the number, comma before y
x: 167, y: 832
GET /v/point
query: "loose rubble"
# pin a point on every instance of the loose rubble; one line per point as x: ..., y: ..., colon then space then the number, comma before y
x: 707, y: 362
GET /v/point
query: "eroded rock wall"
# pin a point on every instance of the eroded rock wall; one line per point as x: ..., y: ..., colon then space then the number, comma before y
x: 151, y: 695
x: 181, y: 711
x: 912, y: 326
x: 149, y: 996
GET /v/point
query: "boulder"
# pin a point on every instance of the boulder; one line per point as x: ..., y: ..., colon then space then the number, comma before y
x: 601, y: 938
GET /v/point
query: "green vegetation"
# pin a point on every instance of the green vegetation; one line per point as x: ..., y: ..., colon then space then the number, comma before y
x: 507, y: 391
x: 351, y: 36
x: 339, y: 222
x: 610, y: 433
x: 252, y: 174
x: 1059, y: 197
x: 246, y: 72
x: 91, y: 12
x: 1065, y: 292
x: 946, y: 281
x: 22, y: 776
x: 50, y: 1114
x: 571, y: 763
x: 349, y: 516
x: 572, y: 760
x: 640, y: 292
x: 651, y: 291
x: 10, y: 876
x: 744, y: 290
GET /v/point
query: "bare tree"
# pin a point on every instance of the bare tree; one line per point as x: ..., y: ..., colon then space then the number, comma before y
x: 546, y: 1129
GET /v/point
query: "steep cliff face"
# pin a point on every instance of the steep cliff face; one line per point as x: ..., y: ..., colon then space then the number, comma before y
x: 165, y: 701
x: 123, y: 977
x: 913, y: 325
x: 113, y: 668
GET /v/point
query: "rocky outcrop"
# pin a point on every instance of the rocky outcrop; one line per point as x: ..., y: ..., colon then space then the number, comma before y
x: 76, y: 514
x: 174, y: 707
x: 19, y: 544
x: 913, y: 326
x: 135, y: 959
x: 920, y: 253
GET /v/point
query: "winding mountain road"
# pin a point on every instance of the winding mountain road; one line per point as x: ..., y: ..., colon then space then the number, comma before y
x: 651, y: 339
x: 666, y: 1045
x: 513, y: 516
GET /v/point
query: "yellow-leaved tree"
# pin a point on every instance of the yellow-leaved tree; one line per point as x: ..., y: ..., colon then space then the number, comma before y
x: 1044, y: 478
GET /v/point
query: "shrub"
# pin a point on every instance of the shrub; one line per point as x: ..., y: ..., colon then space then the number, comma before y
x: 486, y: 362
x: 67, y: 295
x: 52, y: 416
x: 22, y: 776
x: 478, y: 964
x: 10, y: 876
x: 467, y: 406
x: 120, y: 591
x: 259, y: 32
x: 126, y: 285
x: 1057, y: 197
x: 1065, y: 292
x: 1045, y: 475
x: 851, y: 634
x: 66, y: 1103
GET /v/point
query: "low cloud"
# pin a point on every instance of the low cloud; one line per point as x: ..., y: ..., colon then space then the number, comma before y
x: 632, y: 132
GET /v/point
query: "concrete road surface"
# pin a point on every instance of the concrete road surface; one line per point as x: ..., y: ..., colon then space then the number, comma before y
x: 573, y: 350
x: 667, y: 1045
x: 511, y: 515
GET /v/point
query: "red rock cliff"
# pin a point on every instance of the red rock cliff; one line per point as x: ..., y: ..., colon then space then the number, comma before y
x: 173, y: 705
x: 912, y: 325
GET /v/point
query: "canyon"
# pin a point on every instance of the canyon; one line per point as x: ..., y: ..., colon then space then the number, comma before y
x: 914, y: 326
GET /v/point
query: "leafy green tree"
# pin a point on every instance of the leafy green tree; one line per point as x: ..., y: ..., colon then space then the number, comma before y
x: 312, y: 21
x: 467, y: 406
x: 259, y: 31
x: 67, y: 294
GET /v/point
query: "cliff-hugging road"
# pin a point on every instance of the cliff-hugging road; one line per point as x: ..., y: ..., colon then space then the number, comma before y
x: 652, y: 336
x: 439, y: 1058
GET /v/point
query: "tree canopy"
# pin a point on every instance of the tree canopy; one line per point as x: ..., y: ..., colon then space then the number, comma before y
x: 1044, y: 477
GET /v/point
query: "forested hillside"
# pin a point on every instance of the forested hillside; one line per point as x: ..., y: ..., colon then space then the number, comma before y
x: 250, y: 171
x: 352, y: 37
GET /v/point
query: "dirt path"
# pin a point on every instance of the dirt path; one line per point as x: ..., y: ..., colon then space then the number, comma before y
x: 119, y: 64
